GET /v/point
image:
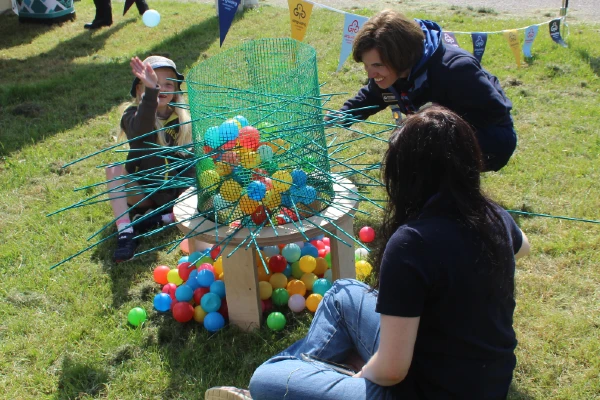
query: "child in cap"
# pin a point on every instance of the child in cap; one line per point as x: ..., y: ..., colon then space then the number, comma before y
x: 156, y: 78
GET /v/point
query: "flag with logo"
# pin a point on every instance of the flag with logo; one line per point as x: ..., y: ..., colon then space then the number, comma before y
x: 352, y: 24
x: 530, y: 35
x: 227, y: 10
x: 479, y: 42
x: 555, y: 32
x: 512, y: 37
x: 450, y: 39
x: 299, y: 16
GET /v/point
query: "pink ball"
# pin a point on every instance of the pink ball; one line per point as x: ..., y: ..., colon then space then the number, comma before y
x: 327, y: 241
x: 170, y: 289
x: 366, y: 234
x: 208, y: 267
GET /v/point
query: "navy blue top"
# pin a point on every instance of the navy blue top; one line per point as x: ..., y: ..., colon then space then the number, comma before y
x: 434, y: 267
x: 448, y: 76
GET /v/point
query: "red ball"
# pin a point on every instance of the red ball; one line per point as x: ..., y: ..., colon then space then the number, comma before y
x: 173, y: 302
x: 259, y: 174
x: 327, y: 241
x: 277, y: 263
x: 223, y: 310
x: 322, y: 253
x: 259, y: 215
x: 185, y: 269
x: 266, y: 305
x: 160, y: 274
x: 183, y: 311
x: 214, y: 253
x: 249, y: 137
x: 229, y: 145
x: 366, y: 234
x: 198, y: 293
x: 170, y: 289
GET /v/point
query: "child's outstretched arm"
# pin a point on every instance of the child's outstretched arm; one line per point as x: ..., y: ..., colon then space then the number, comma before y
x: 145, y: 73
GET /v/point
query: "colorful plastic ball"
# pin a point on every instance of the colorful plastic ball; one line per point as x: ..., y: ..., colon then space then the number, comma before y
x: 162, y: 302
x: 214, y: 252
x: 328, y: 275
x: 326, y: 241
x: 310, y: 194
x: 278, y: 280
x: 183, y: 311
x: 218, y: 288
x: 363, y: 269
x: 230, y: 190
x: 309, y: 250
x: 282, y: 180
x: 296, y: 271
x: 265, y: 290
x: 213, y: 321
x: 173, y: 277
x: 205, y: 164
x: 209, y: 179
x: 205, y: 259
x: 270, y: 251
x: 184, y: 293
x: 308, y: 263
x: 170, y: 289
x: 292, y: 252
x: 199, y: 293
x: 366, y: 234
x: 328, y: 259
x: 322, y: 253
x: 230, y: 157
x: 277, y: 263
x: 296, y: 286
x: 218, y: 265
x: 361, y: 254
x: 207, y: 266
x: 184, y: 270
x: 224, y: 309
x: 312, y: 301
x: 321, y: 266
x: 249, y: 137
x: 321, y: 286
x: 205, y: 277
x: 250, y: 159
x: 183, y: 259
x: 191, y: 281
x: 280, y: 297
x: 263, y: 276
x: 228, y: 130
x: 195, y: 256
x: 219, y: 203
x: 242, y: 120
x: 136, y: 316
x: 160, y: 274
x: 288, y: 270
x: 309, y: 279
x: 276, y: 321
x: 298, y: 177
x: 241, y: 175
x: 151, y: 18
x: 297, y: 303
x: 212, y: 138
x: 266, y: 305
x: 259, y: 215
x: 256, y: 190
x: 272, y: 199
x: 210, y: 302
x: 265, y: 153
x: 199, y: 314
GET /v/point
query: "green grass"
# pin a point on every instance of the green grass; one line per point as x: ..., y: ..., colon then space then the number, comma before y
x: 64, y: 333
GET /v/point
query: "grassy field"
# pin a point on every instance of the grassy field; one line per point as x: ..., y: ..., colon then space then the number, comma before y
x: 64, y: 332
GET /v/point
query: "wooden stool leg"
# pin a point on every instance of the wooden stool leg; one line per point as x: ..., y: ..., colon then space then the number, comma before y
x: 241, y: 285
x: 342, y: 256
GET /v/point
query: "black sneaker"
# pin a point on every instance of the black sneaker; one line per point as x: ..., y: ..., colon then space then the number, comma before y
x: 143, y: 223
x: 126, y: 245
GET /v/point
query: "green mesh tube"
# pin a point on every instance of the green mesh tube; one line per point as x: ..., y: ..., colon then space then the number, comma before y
x: 258, y: 132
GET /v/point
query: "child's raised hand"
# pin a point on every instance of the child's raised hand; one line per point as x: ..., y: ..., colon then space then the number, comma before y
x: 144, y: 72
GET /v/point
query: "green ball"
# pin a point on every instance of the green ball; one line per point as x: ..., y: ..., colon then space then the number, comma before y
x: 204, y: 164
x: 276, y: 321
x: 328, y: 259
x: 296, y: 271
x: 280, y: 297
x: 136, y: 316
x: 204, y: 260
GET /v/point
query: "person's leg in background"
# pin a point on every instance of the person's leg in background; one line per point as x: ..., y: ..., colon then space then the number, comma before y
x: 142, y: 6
x: 103, y: 15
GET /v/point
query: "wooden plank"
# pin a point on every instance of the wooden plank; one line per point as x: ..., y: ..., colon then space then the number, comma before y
x: 342, y: 256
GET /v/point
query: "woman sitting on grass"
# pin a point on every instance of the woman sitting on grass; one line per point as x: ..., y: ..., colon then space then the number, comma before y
x: 439, y: 323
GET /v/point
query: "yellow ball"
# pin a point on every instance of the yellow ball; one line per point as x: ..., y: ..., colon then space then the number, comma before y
x: 262, y: 274
x: 363, y: 269
x: 265, y: 290
x: 218, y: 265
x: 235, y: 121
x: 223, y: 168
x: 199, y: 314
x: 247, y: 205
x: 173, y: 277
x: 296, y: 286
x: 282, y: 180
x: 209, y: 179
x: 309, y: 279
x: 308, y: 263
x: 272, y: 199
x: 230, y: 190
x: 312, y: 301
x: 221, y: 276
x: 278, y: 280
x: 321, y: 266
x: 249, y: 159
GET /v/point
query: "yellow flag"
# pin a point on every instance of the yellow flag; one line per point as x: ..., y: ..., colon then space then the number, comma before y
x: 512, y: 37
x: 299, y: 16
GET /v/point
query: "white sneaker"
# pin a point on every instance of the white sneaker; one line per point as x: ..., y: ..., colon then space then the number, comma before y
x: 227, y: 393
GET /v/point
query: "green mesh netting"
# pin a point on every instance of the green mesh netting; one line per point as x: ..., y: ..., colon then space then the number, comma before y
x: 259, y: 134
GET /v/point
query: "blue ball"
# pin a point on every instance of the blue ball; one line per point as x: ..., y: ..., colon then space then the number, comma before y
x: 184, y: 293
x: 256, y: 190
x: 192, y: 280
x: 270, y: 251
x: 213, y: 321
x: 298, y: 177
x: 228, y: 130
x: 292, y: 252
x: 288, y: 270
x: 162, y: 302
x: 320, y: 286
x: 205, y: 278
x: 195, y: 256
x: 183, y: 259
x: 219, y: 203
x: 218, y: 288
x: 151, y: 18
x: 242, y: 120
x: 286, y: 199
x: 210, y: 302
x: 310, y: 194
x: 212, y: 137
x: 309, y: 250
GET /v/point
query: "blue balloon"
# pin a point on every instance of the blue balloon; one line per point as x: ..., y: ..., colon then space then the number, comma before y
x: 184, y: 293
x: 321, y: 286
x: 309, y: 250
x: 298, y: 177
x: 228, y: 130
x: 292, y: 252
x: 162, y: 302
x: 205, y: 278
x: 242, y: 120
x: 213, y: 321
x: 218, y: 288
x: 256, y: 190
x: 210, y: 302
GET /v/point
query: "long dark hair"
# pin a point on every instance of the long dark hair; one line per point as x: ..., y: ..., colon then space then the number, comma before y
x: 436, y: 151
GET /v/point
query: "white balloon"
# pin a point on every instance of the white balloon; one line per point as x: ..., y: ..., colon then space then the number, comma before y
x: 151, y: 18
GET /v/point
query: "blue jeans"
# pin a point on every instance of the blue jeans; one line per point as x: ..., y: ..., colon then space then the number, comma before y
x: 345, y: 321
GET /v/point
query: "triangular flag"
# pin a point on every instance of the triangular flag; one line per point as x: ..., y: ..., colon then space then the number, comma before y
x: 15, y: 6
x: 555, y: 32
x: 512, y: 37
x: 530, y: 35
x: 479, y: 42
x: 450, y: 39
x: 352, y: 24
x: 299, y: 16
x: 128, y: 4
x: 227, y: 10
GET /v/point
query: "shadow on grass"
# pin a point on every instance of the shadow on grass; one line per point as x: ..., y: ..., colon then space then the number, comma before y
x: 515, y: 393
x: 80, y: 380
x: 594, y: 62
x: 55, y: 94
x: 14, y: 33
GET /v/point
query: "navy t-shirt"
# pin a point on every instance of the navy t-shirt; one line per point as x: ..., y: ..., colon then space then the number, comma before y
x: 432, y: 268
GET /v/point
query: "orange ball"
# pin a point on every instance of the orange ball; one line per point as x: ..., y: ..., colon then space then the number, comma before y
x: 278, y: 280
x: 312, y: 301
x: 263, y: 276
x: 309, y: 279
x: 160, y: 274
x: 296, y: 286
x: 321, y: 266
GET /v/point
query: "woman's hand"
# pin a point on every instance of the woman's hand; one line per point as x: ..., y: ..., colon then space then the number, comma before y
x: 144, y: 72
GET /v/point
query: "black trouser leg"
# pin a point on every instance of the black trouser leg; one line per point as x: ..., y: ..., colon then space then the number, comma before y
x: 142, y: 6
x: 103, y: 15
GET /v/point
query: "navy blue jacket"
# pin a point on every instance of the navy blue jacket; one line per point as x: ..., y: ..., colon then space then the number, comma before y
x: 448, y: 76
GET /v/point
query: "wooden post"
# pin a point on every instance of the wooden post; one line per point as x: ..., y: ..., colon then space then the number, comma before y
x: 342, y: 256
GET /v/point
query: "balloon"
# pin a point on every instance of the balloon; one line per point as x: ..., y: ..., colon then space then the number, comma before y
x: 280, y: 297
x: 151, y: 18
x: 209, y: 179
x: 296, y: 303
x: 298, y: 177
x: 212, y: 138
x: 230, y: 190
x: 136, y: 316
x: 276, y: 321
x: 291, y: 252
x: 282, y: 180
x: 162, y: 302
x: 160, y: 274
x: 228, y: 130
x: 242, y: 120
x: 321, y: 286
x: 366, y: 234
x: 213, y: 321
x: 210, y: 302
x: 265, y: 153
x: 183, y: 311
x: 249, y: 137
x: 312, y: 301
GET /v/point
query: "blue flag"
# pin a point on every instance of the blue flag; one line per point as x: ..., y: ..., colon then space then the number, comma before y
x: 479, y: 42
x: 227, y: 10
x: 450, y: 39
x: 555, y: 32
x: 530, y: 35
x: 352, y: 24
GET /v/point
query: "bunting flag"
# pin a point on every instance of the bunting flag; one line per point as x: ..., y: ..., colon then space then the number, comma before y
x: 512, y: 37
x: 555, y: 32
x: 352, y: 24
x: 227, y: 10
x: 530, y: 35
x: 15, y: 6
x: 450, y: 39
x: 300, y: 11
x: 479, y: 42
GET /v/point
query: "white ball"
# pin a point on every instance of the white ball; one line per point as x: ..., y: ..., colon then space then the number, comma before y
x: 151, y: 18
x: 361, y: 254
x: 296, y: 303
